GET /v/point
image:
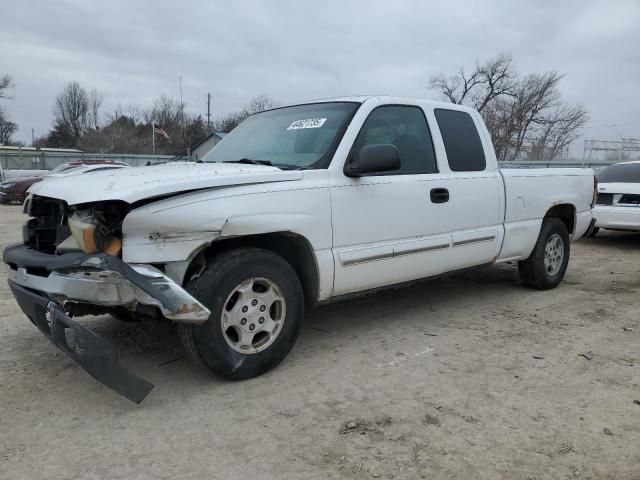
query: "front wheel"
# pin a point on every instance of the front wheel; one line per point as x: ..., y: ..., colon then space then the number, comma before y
x: 547, y: 264
x: 256, y: 305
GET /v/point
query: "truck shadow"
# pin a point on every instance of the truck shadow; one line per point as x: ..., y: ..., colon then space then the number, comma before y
x: 614, y: 239
x: 424, y: 301
x: 153, y: 350
x: 345, y: 317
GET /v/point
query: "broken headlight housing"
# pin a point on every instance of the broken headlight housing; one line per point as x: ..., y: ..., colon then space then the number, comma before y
x: 97, y: 229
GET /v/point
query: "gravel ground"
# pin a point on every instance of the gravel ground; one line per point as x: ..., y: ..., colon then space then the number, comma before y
x: 468, y: 376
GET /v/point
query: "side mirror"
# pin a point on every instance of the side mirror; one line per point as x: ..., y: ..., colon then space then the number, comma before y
x: 373, y: 159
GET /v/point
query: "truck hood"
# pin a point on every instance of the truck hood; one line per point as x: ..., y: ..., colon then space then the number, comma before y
x: 139, y: 183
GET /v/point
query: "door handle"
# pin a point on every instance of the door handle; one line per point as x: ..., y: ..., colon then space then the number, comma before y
x: 439, y: 195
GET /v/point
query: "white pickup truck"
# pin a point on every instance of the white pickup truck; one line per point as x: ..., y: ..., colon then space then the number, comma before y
x: 297, y: 206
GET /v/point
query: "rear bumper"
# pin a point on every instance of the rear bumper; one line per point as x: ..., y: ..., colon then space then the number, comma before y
x: 617, y: 218
x: 94, y: 354
x: 101, y: 280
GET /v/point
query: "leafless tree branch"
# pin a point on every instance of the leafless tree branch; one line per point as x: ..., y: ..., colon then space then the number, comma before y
x: 72, y: 109
x: 525, y: 115
x: 6, y: 83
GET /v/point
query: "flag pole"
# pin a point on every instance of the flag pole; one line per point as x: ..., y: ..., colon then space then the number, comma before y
x: 153, y: 138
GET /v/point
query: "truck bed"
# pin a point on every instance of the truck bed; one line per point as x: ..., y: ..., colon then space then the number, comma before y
x: 530, y: 193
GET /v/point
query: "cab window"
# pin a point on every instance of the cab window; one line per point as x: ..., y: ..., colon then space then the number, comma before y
x: 406, y: 128
x: 461, y: 141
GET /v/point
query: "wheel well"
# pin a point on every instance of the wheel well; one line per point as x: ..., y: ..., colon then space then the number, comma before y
x: 294, y: 248
x: 565, y: 212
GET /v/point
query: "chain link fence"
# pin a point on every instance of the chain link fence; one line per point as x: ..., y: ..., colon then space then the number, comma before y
x: 43, y: 160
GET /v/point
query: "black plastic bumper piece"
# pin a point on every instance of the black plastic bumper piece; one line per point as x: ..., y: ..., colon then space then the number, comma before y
x: 21, y: 255
x: 94, y: 354
x: 592, y: 226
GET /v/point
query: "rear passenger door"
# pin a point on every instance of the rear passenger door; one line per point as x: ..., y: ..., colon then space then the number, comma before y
x: 474, y: 212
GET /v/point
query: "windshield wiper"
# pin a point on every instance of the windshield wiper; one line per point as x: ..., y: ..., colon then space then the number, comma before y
x: 284, y: 166
x: 250, y: 161
x: 281, y: 166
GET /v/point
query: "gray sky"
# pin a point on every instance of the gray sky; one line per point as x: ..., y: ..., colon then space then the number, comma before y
x: 295, y: 50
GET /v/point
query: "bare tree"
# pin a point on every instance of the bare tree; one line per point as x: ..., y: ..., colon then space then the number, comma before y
x: 95, y: 102
x: 135, y: 113
x: 490, y: 80
x: 497, y: 77
x: 72, y: 109
x: 534, y: 95
x: 6, y: 83
x: 165, y: 112
x: 231, y: 120
x: 557, y: 131
x: 525, y: 115
x: 7, y: 128
x: 259, y: 104
x: 129, y: 130
x: 455, y: 88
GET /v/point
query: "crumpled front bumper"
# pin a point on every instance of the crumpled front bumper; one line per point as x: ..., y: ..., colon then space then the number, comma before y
x: 97, y: 356
x: 102, y: 280
x: 43, y: 284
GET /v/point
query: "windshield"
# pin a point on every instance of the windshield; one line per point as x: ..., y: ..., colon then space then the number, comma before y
x: 65, y: 171
x: 304, y: 136
x: 621, y: 173
x: 61, y: 167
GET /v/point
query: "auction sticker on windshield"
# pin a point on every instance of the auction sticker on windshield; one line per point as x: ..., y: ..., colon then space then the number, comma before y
x: 307, y: 123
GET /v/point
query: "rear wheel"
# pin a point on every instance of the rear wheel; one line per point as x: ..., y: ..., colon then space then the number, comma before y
x: 547, y: 264
x: 256, y: 305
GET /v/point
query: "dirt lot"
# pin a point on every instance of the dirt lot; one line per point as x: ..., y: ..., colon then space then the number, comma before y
x: 471, y: 376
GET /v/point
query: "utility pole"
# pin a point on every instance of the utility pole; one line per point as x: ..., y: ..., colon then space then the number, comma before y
x: 208, y: 111
x: 33, y: 137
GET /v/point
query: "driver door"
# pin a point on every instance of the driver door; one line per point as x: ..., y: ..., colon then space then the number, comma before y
x: 385, y: 228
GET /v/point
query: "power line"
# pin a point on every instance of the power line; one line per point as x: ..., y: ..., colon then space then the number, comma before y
x: 612, y: 125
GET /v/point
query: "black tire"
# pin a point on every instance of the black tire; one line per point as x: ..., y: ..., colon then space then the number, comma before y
x: 206, y: 343
x: 594, y: 232
x: 532, y: 270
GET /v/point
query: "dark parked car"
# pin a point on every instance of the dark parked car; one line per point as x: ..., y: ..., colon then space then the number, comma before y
x: 15, y: 189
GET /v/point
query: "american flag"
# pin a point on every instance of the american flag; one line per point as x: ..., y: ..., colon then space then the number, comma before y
x: 158, y: 130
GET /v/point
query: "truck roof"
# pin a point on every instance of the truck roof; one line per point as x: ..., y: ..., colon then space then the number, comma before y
x: 385, y: 99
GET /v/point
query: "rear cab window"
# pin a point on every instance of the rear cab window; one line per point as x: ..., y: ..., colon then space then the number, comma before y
x: 461, y: 141
x: 621, y: 173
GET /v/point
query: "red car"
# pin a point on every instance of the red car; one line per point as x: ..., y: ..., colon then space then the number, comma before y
x: 15, y: 189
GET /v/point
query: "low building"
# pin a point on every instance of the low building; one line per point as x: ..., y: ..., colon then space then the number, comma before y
x: 202, y: 148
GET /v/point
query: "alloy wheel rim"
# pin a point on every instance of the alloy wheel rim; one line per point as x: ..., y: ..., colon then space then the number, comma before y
x: 553, y: 255
x: 253, y: 315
